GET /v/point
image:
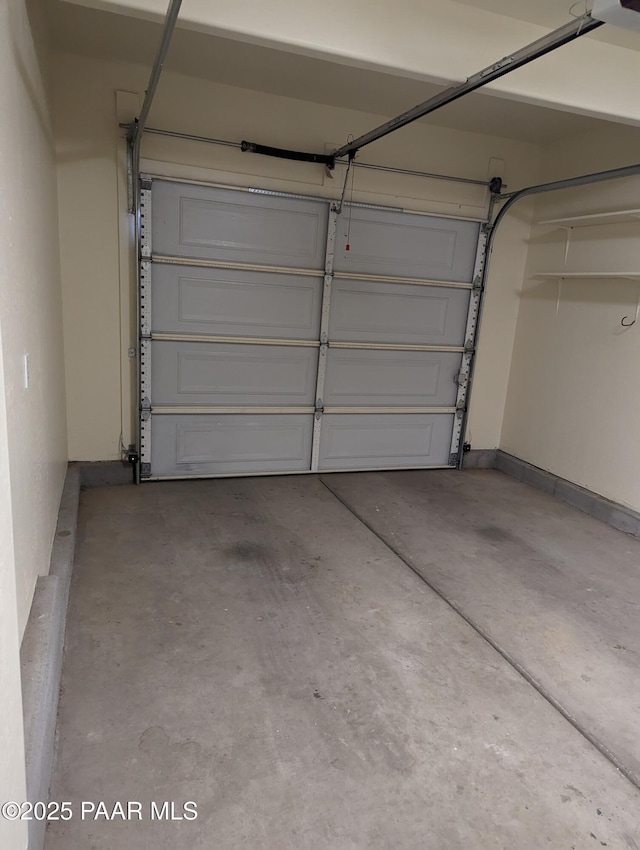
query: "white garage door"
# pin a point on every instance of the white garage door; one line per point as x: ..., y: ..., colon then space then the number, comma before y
x: 278, y: 336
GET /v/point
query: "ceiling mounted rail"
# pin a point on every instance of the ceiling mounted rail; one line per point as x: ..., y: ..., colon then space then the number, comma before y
x: 552, y: 41
x: 568, y: 183
x: 565, y: 34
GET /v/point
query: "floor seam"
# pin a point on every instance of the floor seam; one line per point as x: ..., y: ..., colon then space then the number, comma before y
x: 602, y: 748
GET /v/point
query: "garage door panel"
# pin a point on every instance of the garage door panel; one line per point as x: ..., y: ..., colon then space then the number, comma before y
x: 234, y: 294
x: 201, y: 373
x: 231, y: 302
x: 397, y: 243
x: 196, y: 221
x: 367, y: 311
x: 223, y: 444
x: 367, y: 441
x: 391, y: 378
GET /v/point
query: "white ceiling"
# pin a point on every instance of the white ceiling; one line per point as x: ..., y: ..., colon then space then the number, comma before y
x: 96, y: 33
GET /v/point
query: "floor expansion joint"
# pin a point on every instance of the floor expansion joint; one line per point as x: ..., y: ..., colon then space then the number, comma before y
x: 629, y: 774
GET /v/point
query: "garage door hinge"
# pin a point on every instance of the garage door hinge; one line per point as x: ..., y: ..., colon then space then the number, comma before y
x: 460, y: 409
x: 468, y: 346
x: 454, y: 457
x: 460, y: 379
x: 145, y: 404
x: 319, y: 408
x: 477, y: 284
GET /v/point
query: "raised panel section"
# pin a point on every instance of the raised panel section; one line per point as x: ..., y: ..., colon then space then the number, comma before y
x: 358, y: 378
x: 369, y: 311
x: 230, y: 302
x: 396, y: 243
x: 186, y: 445
x: 223, y: 224
x: 367, y: 441
x: 200, y: 373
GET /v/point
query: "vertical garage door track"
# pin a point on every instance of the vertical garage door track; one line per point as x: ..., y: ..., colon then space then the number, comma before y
x: 253, y: 646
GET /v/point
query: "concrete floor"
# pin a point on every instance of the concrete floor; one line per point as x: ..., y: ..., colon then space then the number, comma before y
x: 267, y: 649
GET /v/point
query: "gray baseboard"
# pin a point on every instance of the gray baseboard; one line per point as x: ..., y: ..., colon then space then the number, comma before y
x: 104, y: 473
x: 41, y: 654
x: 618, y: 516
x: 479, y: 459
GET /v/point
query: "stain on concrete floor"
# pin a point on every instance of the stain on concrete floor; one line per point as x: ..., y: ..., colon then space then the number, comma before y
x: 251, y: 646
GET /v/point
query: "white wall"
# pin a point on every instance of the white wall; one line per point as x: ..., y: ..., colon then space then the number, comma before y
x: 573, y: 405
x: 97, y: 280
x: 30, y: 298
x: 13, y: 834
x: 32, y: 422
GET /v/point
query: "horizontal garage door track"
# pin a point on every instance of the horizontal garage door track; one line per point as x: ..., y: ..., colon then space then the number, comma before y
x: 261, y: 647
